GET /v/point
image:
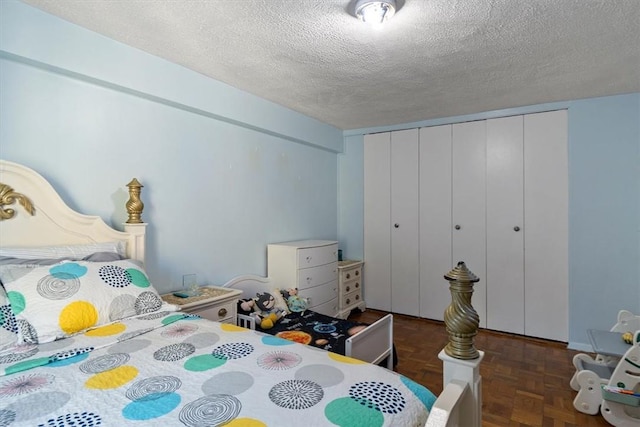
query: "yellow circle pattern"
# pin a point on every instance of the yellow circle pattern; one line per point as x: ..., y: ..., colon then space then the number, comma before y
x: 77, y: 316
x: 345, y: 359
x: 245, y: 422
x: 105, y: 331
x: 113, y: 378
x: 232, y: 328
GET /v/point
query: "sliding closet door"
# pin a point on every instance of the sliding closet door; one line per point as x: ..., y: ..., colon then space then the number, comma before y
x: 546, y: 200
x: 505, y: 223
x: 469, y: 174
x: 377, y: 217
x: 405, y: 262
x: 435, y: 220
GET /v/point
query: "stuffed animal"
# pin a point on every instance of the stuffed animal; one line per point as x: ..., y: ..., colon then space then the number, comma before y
x: 295, y: 303
x: 246, y: 305
x: 268, y: 313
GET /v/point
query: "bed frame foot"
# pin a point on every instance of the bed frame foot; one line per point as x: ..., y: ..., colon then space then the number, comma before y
x: 466, y: 371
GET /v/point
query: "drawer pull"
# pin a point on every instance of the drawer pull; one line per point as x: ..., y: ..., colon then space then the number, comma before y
x: 222, y: 312
x: 308, y: 279
x: 348, y: 301
x: 348, y: 276
x: 348, y: 288
x: 357, y: 297
x: 308, y: 259
x: 357, y: 285
x: 357, y: 272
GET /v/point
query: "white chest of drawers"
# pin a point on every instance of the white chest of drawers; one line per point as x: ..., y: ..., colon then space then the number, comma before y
x: 312, y: 267
x: 350, y: 287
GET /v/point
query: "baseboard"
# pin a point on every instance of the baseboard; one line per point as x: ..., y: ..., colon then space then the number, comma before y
x: 580, y: 347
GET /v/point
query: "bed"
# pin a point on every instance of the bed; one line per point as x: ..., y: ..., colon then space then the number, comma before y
x: 373, y: 344
x: 127, y: 359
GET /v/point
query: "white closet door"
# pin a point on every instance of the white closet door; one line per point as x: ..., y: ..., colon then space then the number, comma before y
x: 469, y: 177
x: 505, y: 210
x: 405, y: 261
x: 435, y: 220
x: 377, y: 217
x: 546, y: 200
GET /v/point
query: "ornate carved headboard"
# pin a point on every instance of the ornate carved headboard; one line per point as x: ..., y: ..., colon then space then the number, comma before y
x: 32, y: 213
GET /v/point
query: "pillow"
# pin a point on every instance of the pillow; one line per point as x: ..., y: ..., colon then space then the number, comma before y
x: 51, y: 302
x: 67, y: 251
x: 8, y: 323
x: 98, y: 257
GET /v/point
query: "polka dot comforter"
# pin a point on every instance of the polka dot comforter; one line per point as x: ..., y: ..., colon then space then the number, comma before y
x: 174, y: 369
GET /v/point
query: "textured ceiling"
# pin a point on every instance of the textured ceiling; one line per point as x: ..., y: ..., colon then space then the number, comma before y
x: 435, y: 58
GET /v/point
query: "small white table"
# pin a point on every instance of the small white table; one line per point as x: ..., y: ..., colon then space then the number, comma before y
x: 213, y: 303
x: 607, y: 343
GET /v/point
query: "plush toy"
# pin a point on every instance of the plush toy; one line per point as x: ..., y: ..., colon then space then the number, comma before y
x: 267, y: 314
x: 246, y: 305
x: 295, y: 303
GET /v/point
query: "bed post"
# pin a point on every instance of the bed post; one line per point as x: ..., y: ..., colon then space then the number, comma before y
x: 134, y: 225
x: 461, y: 360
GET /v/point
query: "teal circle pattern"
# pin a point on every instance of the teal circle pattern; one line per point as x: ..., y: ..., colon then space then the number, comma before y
x: 138, y: 278
x: 152, y: 406
x: 346, y: 412
x: 424, y: 394
x: 63, y: 271
x: 275, y: 341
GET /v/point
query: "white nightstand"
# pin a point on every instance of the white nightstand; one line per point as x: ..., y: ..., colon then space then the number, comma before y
x: 213, y: 303
x: 350, y: 285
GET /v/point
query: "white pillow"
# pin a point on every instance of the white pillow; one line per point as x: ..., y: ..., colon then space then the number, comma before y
x: 55, y: 301
x: 67, y: 251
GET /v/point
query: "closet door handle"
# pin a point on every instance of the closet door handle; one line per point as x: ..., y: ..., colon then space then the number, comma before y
x: 457, y: 227
x: 516, y: 228
x: 396, y: 225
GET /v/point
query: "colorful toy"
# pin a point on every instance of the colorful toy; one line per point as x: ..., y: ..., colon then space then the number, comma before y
x: 295, y: 303
x: 265, y: 313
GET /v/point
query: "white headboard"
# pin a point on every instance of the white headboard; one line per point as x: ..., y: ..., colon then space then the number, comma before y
x: 51, y: 221
x: 250, y: 285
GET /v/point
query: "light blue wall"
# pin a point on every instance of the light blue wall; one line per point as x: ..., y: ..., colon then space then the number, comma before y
x: 604, y: 211
x: 604, y: 204
x: 351, y: 197
x: 225, y: 172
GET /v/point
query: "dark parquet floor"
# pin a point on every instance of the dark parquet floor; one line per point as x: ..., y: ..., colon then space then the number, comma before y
x: 525, y: 381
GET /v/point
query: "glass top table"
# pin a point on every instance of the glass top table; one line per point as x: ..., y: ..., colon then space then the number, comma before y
x: 607, y: 343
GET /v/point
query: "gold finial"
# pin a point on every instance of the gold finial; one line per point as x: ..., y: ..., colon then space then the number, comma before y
x: 134, y: 204
x: 460, y: 318
x: 8, y: 197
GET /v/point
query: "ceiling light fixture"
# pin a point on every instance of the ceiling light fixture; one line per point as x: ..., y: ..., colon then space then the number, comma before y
x: 375, y: 12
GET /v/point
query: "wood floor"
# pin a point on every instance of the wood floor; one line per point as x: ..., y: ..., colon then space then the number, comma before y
x: 525, y: 382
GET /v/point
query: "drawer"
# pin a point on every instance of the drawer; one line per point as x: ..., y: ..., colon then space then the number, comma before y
x: 350, y: 286
x: 311, y: 257
x: 350, y: 273
x: 223, y: 312
x: 329, y: 308
x: 350, y: 299
x: 315, y: 276
x: 320, y: 294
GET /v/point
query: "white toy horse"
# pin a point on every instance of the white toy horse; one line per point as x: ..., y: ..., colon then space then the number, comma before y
x: 591, y: 374
x: 627, y: 376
